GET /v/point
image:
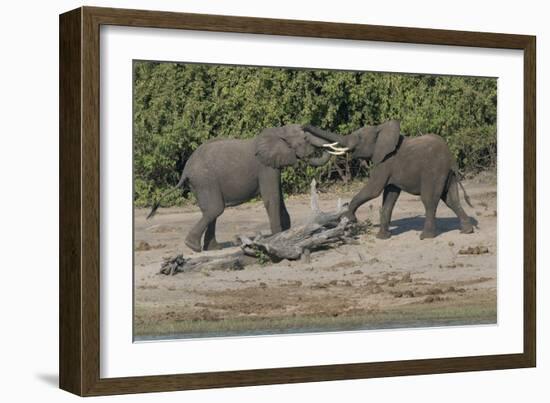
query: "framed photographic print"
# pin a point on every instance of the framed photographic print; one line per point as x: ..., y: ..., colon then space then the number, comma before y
x: 249, y: 201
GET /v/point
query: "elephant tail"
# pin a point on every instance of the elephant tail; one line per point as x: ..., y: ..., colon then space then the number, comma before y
x: 466, y: 197
x: 458, y: 176
x: 179, y: 186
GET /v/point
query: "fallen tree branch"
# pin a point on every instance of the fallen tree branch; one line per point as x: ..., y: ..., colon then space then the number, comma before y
x: 292, y: 244
x: 322, y: 230
x: 230, y: 261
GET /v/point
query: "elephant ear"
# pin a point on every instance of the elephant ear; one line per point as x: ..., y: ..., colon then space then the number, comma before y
x: 272, y: 149
x: 386, y: 141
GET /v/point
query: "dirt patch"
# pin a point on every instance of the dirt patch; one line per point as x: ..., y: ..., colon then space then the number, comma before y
x: 145, y: 246
x: 476, y: 250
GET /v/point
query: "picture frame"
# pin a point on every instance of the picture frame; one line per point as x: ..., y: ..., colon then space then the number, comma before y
x: 79, y: 295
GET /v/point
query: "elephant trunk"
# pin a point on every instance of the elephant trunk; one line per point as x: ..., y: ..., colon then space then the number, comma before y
x: 319, y: 143
x: 315, y: 141
x: 319, y: 161
x: 326, y: 135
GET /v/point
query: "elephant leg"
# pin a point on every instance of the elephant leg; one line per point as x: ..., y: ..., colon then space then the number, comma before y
x: 452, y: 200
x: 193, y: 239
x: 210, y: 242
x: 429, y: 230
x: 285, y: 217
x: 372, y: 189
x: 430, y: 194
x: 212, y: 205
x: 274, y: 214
x: 272, y: 196
x: 279, y: 221
x: 391, y: 193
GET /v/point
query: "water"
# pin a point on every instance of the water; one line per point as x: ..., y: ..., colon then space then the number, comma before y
x: 404, y: 325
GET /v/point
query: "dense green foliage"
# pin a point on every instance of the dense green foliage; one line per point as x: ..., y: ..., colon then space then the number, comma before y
x: 177, y: 107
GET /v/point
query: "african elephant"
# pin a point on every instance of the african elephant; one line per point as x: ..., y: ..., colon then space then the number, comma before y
x: 228, y: 172
x: 420, y: 165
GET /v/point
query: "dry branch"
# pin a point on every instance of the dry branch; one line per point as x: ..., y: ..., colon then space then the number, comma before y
x: 323, y: 229
x: 229, y: 261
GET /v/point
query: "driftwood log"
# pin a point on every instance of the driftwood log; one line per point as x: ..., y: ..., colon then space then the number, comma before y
x: 235, y: 260
x: 322, y: 230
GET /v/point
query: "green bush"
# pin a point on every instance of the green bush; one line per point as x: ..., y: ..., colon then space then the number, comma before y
x: 177, y: 107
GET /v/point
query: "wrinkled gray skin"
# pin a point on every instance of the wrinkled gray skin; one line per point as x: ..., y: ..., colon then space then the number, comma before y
x: 228, y: 172
x: 418, y: 165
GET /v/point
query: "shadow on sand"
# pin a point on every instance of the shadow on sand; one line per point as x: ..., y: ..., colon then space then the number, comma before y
x: 444, y: 224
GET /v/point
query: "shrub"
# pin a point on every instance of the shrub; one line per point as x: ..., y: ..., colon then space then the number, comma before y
x: 177, y: 107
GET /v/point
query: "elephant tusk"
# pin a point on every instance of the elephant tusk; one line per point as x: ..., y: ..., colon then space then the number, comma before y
x: 344, y: 149
x: 336, y: 152
x: 333, y: 147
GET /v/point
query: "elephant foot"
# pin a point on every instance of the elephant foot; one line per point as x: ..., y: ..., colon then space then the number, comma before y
x: 383, y: 234
x: 193, y: 245
x: 466, y: 227
x: 426, y: 234
x: 350, y: 216
x: 212, y: 245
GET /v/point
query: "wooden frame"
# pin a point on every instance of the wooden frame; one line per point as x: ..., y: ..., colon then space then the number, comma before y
x: 80, y: 184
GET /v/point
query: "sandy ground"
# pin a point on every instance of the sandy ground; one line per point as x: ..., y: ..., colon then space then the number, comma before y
x: 402, y: 281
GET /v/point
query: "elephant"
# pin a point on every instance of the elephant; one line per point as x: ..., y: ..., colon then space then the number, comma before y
x: 228, y: 172
x: 420, y: 165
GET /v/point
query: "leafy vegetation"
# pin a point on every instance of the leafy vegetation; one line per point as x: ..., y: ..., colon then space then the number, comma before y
x: 177, y: 107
